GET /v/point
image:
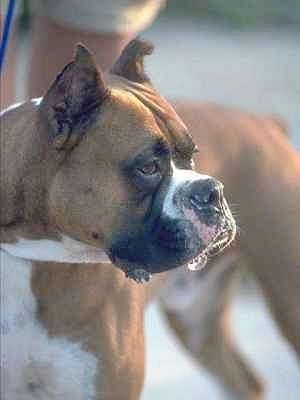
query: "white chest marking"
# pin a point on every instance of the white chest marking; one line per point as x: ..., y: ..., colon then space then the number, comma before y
x: 65, y: 250
x: 33, y: 365
x: 12, y: 107
x: 37, y: 100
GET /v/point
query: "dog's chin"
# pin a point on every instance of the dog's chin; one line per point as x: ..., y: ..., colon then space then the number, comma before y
x: 136, y: 272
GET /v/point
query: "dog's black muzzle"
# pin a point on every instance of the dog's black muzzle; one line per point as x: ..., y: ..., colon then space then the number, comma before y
x: 164, y: 242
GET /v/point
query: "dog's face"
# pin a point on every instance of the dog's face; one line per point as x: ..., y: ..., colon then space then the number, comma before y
x: 126, y: 184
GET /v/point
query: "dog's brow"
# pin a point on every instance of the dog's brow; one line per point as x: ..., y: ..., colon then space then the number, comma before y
x: 161, y: 147
x: 158, y: 148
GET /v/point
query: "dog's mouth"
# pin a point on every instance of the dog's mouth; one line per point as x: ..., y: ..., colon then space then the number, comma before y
x: 223, y: 237
x: 189, y: 241
x: 215, y: 237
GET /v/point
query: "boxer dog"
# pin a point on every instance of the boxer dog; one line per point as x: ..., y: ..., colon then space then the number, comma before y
x: 97, y: 171
x: 261, y: 170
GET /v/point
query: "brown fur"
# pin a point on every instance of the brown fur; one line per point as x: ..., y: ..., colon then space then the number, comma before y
x: 62, y: 173
x: 22, y: 184
x: 261, y: 173
x: 96, y: 305
x: 205, y: 326
x: 35, y: 196
x: 39, y: 195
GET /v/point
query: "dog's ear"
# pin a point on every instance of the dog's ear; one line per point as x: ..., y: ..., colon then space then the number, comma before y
x: 130, y: 64
x: 74, y: 100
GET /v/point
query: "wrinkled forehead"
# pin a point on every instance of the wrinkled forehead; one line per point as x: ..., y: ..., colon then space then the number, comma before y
x: 125, y: 126
x: 170, y: 124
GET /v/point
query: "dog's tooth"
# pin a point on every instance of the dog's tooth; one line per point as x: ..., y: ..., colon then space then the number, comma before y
x: 198, y: 262
x: 192, y: 264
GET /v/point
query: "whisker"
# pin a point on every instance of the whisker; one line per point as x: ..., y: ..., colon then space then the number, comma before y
x: 239, y: 230
x: 234, y: 208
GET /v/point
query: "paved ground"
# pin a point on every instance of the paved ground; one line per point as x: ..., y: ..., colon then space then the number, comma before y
x: 256, y: 71
x: 173, y: 375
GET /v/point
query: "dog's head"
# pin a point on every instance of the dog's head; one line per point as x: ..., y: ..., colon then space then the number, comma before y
x: 126, y: 183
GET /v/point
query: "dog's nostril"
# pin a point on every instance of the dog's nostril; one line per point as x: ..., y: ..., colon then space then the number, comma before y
x: 206, y: 193
x: 213, y: 197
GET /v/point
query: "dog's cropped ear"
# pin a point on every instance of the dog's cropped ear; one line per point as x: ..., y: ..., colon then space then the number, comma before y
x: 130, y: 64
x: 74, y: 100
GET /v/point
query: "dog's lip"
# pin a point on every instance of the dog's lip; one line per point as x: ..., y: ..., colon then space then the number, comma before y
x: 222, y: 239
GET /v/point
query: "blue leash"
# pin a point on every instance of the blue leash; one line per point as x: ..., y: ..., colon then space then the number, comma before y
x: 6, y: 31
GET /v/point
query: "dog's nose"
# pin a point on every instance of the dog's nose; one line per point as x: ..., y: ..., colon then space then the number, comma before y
x: 205, y: 193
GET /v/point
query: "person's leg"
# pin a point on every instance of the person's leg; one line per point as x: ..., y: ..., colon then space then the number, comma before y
x: 104, y: 26
x: 53, y: 46
x: 7, y: 84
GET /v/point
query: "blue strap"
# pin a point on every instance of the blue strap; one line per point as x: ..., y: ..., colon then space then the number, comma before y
x: 6, y: 31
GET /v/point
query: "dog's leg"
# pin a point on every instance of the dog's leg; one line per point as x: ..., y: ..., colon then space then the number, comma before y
x: 203, y: 325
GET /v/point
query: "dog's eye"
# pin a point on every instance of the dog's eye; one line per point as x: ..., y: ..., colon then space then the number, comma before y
x: 150, y: 168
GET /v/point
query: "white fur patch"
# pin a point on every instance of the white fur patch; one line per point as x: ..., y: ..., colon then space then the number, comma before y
x: 66, y: 250
x: 179, y: 178
x: 12, y: 107
x: 36, y: 101
x: 33, y: 365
